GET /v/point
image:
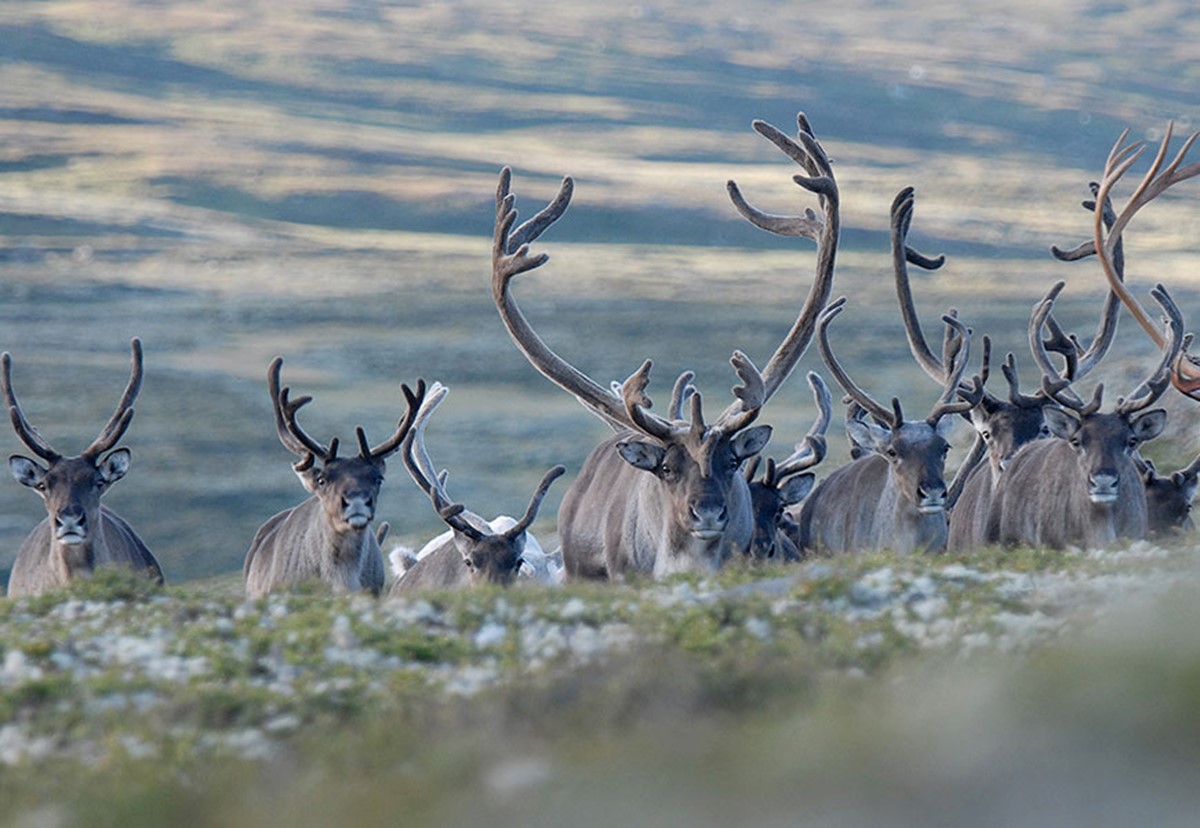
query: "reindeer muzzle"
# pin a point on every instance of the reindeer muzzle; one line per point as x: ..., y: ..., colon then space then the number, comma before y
x: 1102, y: 488
x: 358, y: 511
x: 931, y: 501
x: 70, y: 528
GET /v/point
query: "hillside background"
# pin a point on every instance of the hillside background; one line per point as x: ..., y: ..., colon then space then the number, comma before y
x: 231, y: 181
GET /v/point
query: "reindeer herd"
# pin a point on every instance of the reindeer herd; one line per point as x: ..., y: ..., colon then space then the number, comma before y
x: 675, y: 492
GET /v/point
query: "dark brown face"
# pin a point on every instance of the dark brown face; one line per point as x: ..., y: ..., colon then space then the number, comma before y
x: 491, y: 559
x: 1169, y: 503
x: 769, y: 503
x: 348, y: 489
x: 1005, y: 427
x: 71, y: 489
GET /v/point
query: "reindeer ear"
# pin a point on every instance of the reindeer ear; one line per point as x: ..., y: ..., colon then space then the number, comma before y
x: 26, y: 471
x: 1061, y: 423
x: 869, y: 436
x: 308, y: 477
x: 114, y: 466
x: 640, y: 455
x: 1149, y: 425
x: 751, y: 441
x: 797, y: 488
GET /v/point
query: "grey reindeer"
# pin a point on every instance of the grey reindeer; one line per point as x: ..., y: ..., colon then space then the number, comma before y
x: 667, y: 495
x: 474, y: 553
x: 1002, y: 425
x: 79, y: 534
x: 895, y: 496
x: 1082, y: 487
x: 326, y: 538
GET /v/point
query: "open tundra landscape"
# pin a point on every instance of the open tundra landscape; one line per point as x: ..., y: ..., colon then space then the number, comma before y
x: 231, y: 182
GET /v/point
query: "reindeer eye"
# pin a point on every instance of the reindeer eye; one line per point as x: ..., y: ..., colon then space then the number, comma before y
x: 892, y: 453
x: 470, y: 564
x: 986, y: 435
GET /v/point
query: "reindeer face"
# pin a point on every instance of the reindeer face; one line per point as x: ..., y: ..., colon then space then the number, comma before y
x: 699, y: 475
x: 348, y: 489
x: 491, y: 559
x: 71, y: 488
x: 1103, y: 444
x: 1005, y: 427
x: 769, y: 502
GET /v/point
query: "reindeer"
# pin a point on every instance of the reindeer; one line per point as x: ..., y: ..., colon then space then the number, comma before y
x: 326, y: 538
x: 78, y: 534
x: 1168, y: 497
x: 783, y: 486
x: 666, y: 495
x: 1081, y: 487
x: 475, y: 553
x: 895, y: 497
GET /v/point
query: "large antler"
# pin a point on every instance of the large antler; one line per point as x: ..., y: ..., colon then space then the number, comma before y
x: 806, y: 151
x: 296, y: 440
x: 113, y: 430
x: 1185, y: 372
x: 957, y: 356
x: 510, y: 258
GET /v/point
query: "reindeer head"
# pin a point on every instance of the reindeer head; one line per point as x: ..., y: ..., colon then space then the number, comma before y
x: 71, y: 486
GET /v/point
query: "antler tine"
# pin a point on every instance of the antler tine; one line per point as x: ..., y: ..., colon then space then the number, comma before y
x: 535, y: 502
x: 412, y: 400
x: 1054, y: 384
x: 416, y: 457
x: 809, y: 155
x: 843, y: 379
x: 1152, y: 388
x: 28, y: 434
x: 902, y: 255
x: 116, y: 426
x: 811, y: 450
x: 958, y: 357
x: 633, y: 392
x: 420, y: 465
x: 1009, y: 369
x: 293, y: 437
x: 751, y: 392
x: 680, y: 394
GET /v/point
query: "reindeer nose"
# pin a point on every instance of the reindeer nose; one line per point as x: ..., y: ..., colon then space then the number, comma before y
x: 931, y: 500
x: 70, y: 525
x: 358, y: 508
x: 1102, y: 486
x: 708, y: 518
